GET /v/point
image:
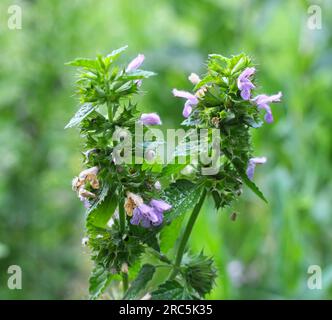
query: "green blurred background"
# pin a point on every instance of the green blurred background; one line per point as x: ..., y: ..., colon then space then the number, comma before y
x: 266, y: 252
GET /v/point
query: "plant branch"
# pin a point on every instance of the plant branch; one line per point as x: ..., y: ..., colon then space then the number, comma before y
x: 186, y: 235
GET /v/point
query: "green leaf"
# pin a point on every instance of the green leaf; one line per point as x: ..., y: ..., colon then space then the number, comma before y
x: 240, y: 64
x: 183, y: 195
x: 172, y: 169
x: 139, y: 74
x: 170, y: 233
x: 146, y: 236
x: 172, y: 290
x: 84, y: 110
x: 204, y: 81
x: 98, y: 282
x: 239, y: 167
x: 100, y: 198
x: 142, y: 279
x: 84, y: 63
x: 115, y: 53
x: 252, y: 186
x: 103, y: 212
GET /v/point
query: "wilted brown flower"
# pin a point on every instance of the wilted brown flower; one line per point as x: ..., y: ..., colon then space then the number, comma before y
x: 132, y: 201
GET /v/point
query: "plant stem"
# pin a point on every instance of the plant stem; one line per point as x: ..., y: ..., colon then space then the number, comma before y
x: 122, y: 215
x: 159, y: 255
x: 125, y: 282
x: 122, y: 220
x: 186, y: 235
x: 110, y: 111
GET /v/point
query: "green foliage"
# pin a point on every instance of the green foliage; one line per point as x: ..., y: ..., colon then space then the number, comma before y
x: 169, y: 233
x: 172, y: 290
x: 114, y: 241
x: 200, y: 274
x: 99, y: 216
x: 141, y: 281
x: 183, y: 195
x: 98, y: 282
x: 221, y: 106
x: 80, y: 115
x: 41, y: 218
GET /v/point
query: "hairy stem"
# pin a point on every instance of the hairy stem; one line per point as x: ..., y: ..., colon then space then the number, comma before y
x: 186, y: 235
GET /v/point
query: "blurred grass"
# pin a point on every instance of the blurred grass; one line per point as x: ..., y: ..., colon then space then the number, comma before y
x: 266, y: 252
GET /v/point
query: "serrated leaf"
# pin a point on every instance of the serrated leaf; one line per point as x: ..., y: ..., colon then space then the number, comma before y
x: 84, y: 110
x: 101, y: 197
x: 142, y: 279
x: 98, y: 282
x: 172, y: 290
x: 182, y: 195
x: 103, y: 212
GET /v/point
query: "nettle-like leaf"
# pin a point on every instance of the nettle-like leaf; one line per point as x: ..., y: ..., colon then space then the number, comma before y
x: 103, y: 212
x: 141, y: 281
x: 98, y: 282
x: 100, y: 198
x: 172, y: 290
x: 183, y: 195
x: 84, y: 110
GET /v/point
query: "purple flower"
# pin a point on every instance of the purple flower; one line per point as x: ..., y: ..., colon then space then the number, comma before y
x: 150, y: 119
x: 192, y: 101
x: 252, y: 165
x: 262, y: 101
x: 244, y: 84
x: 136, y: 63
x: 144, y: 215
x: 160, y: 205
x: 150, y: 215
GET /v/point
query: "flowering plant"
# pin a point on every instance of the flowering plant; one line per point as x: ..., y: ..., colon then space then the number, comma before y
x: 135, y: 200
